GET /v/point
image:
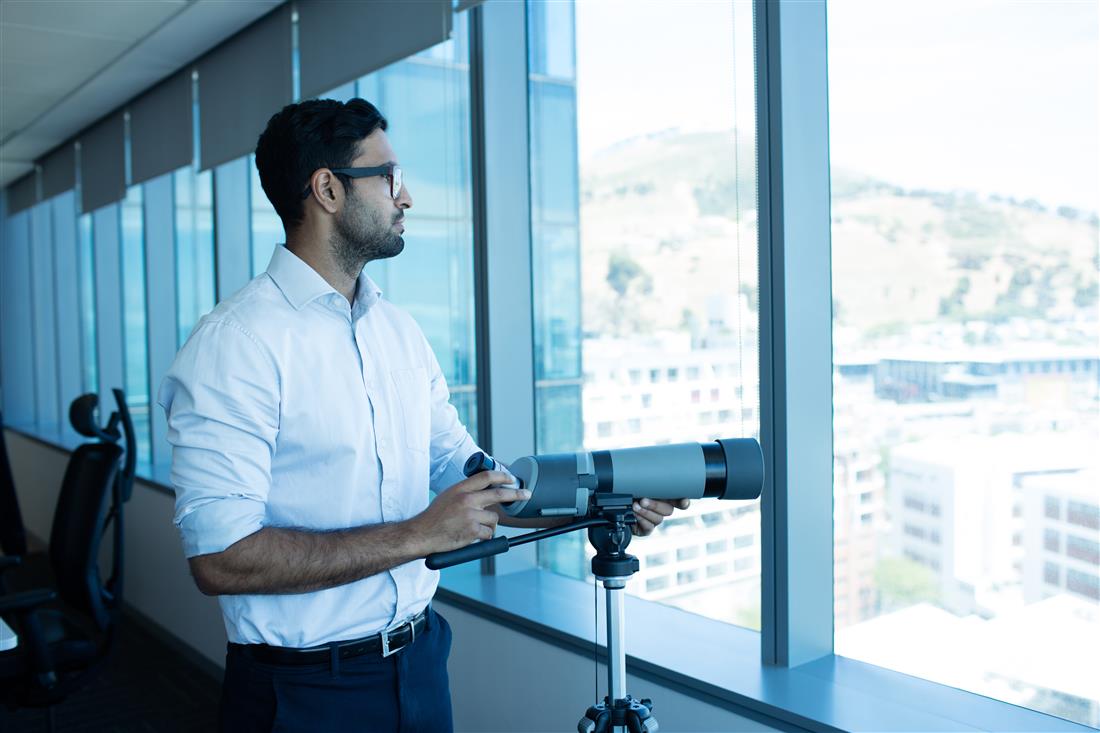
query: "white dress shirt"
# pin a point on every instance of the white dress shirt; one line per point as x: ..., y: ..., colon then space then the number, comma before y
x: 288, y: 407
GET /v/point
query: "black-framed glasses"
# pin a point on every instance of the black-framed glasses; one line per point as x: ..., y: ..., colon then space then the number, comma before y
x: 392, y: 172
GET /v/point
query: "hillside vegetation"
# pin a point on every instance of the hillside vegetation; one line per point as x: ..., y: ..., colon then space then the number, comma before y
x: 663, y: 249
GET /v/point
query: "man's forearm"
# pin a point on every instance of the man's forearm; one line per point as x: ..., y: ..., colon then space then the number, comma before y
x: 276, y: 560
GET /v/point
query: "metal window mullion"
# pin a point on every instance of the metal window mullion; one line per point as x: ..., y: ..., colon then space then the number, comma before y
x: 503, y: 276
x: 795, y: 331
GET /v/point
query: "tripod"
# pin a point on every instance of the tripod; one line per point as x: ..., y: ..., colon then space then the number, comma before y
x: 612, y: 566
x: 608, y: 525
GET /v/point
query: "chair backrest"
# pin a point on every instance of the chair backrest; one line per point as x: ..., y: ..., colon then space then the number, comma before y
x: 13, y: 538
x: 78, y: 524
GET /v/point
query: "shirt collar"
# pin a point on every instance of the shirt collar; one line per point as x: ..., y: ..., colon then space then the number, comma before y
x: 301, y: 284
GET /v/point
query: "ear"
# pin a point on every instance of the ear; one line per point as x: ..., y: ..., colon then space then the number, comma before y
x: 326, y: 190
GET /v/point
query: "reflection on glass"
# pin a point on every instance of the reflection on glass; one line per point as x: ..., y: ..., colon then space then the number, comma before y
x: 966, y: 362
x: 645, y: 260
x: 135, y: 345
x: 425, y: 99
x: 194, y: 247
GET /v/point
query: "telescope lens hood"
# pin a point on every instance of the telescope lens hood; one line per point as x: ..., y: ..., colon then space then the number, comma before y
x: 744, y: 468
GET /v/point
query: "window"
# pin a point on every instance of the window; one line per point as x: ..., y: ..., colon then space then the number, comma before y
x: 1083, y: 515
x: 1083, y: 549
x: 266, y: 227
x: 44, y: 318
x: 194, y: 195
x: 89, y: 355
x: 425, y: 99
x: 134, y: 345
x: 687, y: 553
x: 948, y: 278
x: 1084, y: 584
x: 653, y: 245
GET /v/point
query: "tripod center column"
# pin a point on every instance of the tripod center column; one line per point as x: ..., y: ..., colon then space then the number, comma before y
x: 616, y: 649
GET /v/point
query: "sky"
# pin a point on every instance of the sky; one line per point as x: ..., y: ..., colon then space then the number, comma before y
x: 994, y: 96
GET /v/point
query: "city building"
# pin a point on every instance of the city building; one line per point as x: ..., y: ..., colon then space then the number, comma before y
x: 1061, y: 534
x: 957, y: 507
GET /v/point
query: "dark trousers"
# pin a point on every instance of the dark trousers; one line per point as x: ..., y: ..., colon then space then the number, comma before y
x: 407, y: 692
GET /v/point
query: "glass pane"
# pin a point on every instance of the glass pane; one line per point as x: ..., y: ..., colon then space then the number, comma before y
x: 44, y: 343
x: 645, y: 263
x: 135, y: 351
x: 425, y: 99
x: 88, y: 355
x: 267, y: 227
x: 966, y: 363
x: 194, y: 247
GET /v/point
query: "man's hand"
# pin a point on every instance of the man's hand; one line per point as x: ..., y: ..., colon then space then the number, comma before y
x: 461, y: 514
x: 651, y: 512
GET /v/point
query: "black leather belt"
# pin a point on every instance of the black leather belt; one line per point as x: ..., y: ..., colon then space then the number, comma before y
x: 387, y: 642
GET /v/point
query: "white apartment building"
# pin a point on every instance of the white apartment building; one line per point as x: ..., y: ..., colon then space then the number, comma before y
x: 957, y: 507
x: 653, y: 391
x: 657, y: 390
x: 859, y: 496
x: 1062, y: 535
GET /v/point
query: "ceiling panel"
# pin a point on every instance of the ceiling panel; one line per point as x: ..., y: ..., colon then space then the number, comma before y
x: 123, y: 20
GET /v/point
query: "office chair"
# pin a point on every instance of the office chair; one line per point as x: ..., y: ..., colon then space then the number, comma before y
x: 61, y: 643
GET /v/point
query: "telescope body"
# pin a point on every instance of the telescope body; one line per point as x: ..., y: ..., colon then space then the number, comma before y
x: 562, y: 484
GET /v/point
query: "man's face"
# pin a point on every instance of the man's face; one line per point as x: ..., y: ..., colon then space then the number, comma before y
x: 370, y: 223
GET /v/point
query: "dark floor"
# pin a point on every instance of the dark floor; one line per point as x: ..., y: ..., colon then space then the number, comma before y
x: 144, y: 686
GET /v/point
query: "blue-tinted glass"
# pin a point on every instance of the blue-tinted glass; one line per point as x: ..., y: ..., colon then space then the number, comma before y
x: 17, y: 331
x: 194, y: 248
x: 267, y: 228
x: 644, y: 262
x: 88, y: 356
x: 45, y: 323
x: 551, y: 50
x: 426, y: 100
x: 135, y: 352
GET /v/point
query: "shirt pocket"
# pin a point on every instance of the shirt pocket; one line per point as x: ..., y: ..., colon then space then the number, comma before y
x: 414, y: 404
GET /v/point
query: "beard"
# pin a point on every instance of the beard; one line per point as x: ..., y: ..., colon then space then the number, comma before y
x: 362, y: 234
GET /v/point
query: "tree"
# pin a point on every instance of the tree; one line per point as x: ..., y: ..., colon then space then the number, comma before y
x: 902, y: 582
x: 621, y: 271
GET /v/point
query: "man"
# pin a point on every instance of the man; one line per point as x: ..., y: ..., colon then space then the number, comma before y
x: 309, y: 418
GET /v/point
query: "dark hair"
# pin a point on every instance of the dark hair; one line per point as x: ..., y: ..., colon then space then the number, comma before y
x: 305, y: 136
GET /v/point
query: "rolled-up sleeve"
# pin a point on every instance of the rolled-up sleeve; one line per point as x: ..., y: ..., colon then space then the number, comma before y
x: 451, y: 444
x: 221, y: 398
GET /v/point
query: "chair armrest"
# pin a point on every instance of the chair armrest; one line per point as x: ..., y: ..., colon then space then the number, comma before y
x: 25, y: 600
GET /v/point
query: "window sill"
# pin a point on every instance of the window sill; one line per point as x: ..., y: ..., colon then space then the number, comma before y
x: 829, y: 694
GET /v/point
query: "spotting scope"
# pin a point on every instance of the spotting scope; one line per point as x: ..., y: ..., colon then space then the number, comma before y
x: 564, y: 484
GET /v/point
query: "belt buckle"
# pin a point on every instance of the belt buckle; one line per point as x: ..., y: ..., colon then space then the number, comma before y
x: 385, y: 634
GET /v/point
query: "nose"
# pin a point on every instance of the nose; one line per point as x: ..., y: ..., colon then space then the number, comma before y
x: 404, y: 199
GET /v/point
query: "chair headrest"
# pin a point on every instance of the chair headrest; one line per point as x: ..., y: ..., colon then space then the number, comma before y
x: 82, y: 414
